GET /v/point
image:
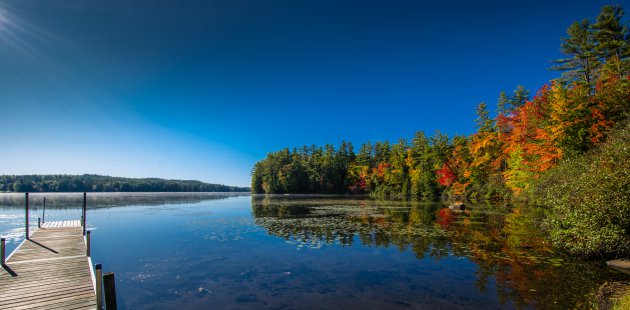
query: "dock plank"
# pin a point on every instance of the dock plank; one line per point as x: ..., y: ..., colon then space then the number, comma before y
x: 61, y: 224
x: 49, y: 270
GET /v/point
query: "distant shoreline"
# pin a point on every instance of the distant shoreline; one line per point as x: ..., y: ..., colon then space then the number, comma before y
x: 94, y: 183
x: 70, y: 200
x: 147, y: 193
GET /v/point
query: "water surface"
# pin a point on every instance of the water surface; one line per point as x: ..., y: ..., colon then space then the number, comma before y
x: 197, y: 251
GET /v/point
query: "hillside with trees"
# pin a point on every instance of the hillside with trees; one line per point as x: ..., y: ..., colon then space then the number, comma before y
x: 529, y: 134
x: 99, y: 183
x: 565, y: 149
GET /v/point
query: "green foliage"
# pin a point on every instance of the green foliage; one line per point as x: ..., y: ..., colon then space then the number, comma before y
x: 582, y: 58
x: 613, y: 37
x: 588, y: 199
x: 484, y: 122
x: 507, y: 104
x: 563, y: 149
x: 589, y: 46
x: 99, y: 183
x: 519, y: 97
x: 398, y: 171
x: 313, y: 170
x: 527, y: 137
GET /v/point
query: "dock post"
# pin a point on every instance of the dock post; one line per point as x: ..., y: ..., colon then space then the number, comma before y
x: 44, y: 212
x: 87, y: 243
x: 3, y: 252
x: 110, y: 291
x: 39, y: 222
x: 84, y: 210
x: 26, y: 207
x: 99, y: 286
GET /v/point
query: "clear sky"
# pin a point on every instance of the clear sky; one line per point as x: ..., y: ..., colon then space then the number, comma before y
x: 203, y: 89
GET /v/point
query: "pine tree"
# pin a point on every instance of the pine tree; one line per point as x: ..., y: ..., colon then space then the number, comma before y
x: 519, y: 97
x: 484, y: 122
x: 507, y: 104
x: 502, y: 103
x: 580, y: 47
x: 612, y: 37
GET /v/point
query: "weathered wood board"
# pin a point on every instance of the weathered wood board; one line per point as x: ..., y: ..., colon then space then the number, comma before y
x: 49, y: 271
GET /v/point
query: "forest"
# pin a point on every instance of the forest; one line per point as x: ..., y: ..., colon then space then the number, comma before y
x: 528, y: 136
x: 99, y: 183
x: 565, y: 149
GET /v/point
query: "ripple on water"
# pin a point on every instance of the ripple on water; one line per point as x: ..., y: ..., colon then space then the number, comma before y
x: 14, y: 235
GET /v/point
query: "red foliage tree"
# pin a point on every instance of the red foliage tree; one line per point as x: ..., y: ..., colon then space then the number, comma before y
x: 445, y: 176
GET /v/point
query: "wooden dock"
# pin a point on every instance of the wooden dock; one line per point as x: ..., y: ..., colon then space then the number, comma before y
x: 50, y: 270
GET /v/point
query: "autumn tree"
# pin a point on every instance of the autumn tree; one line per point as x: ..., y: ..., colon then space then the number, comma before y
x: 528, y: 136
x: 486, y: 160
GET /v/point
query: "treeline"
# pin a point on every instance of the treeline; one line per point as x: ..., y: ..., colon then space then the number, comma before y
x: 401, y: 170
x: 505, y: 156
x: 105, y: 200
x: 99, y: 183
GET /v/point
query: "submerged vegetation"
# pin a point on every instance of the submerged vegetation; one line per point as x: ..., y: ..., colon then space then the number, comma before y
x: 100, y: 183
x: 552, y: 148
x: 504, y: 243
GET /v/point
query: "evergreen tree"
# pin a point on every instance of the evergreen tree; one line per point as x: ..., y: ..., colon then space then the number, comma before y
x: 257, y: 178
x: 381, y: 151
x: 483, y: 121
x: 519, y: 97
x: 580, y: 47
x: 365, y: 155
x: 503, y: 103
x: 507, y: 104
x: 423, y: 182
x: 528, y: 137
x: 612, y: 37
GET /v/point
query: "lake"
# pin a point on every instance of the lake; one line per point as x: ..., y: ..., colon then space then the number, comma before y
x: 235, y: 251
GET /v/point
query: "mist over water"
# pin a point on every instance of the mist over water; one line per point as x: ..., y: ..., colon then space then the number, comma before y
x: 191, y: 251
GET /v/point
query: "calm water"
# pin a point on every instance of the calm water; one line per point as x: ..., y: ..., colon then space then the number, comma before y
x: 202, y: 251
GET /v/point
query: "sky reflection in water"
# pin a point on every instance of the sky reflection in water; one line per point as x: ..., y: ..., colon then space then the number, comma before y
x: 212, y: 251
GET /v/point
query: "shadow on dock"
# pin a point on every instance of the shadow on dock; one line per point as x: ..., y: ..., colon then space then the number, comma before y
x: 43, y: 246
x: 9, y: 271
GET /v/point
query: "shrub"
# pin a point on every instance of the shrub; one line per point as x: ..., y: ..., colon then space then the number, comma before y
x: 587, y: 199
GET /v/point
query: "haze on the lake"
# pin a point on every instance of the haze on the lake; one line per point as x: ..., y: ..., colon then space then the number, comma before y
x: 203, y: 89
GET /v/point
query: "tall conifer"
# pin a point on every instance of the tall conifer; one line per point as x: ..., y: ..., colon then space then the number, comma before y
x: 580, y: 48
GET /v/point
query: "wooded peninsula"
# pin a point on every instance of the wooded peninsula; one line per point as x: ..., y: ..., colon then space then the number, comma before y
x: 565, y: 149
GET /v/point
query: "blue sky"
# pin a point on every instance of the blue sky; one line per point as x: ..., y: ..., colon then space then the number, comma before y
x: 203, y: 89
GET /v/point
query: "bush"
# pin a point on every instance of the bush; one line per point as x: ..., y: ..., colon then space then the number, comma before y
x: 587, y: 199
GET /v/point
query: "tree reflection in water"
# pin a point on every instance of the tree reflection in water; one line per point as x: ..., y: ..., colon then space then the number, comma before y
x: 505, y: 243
